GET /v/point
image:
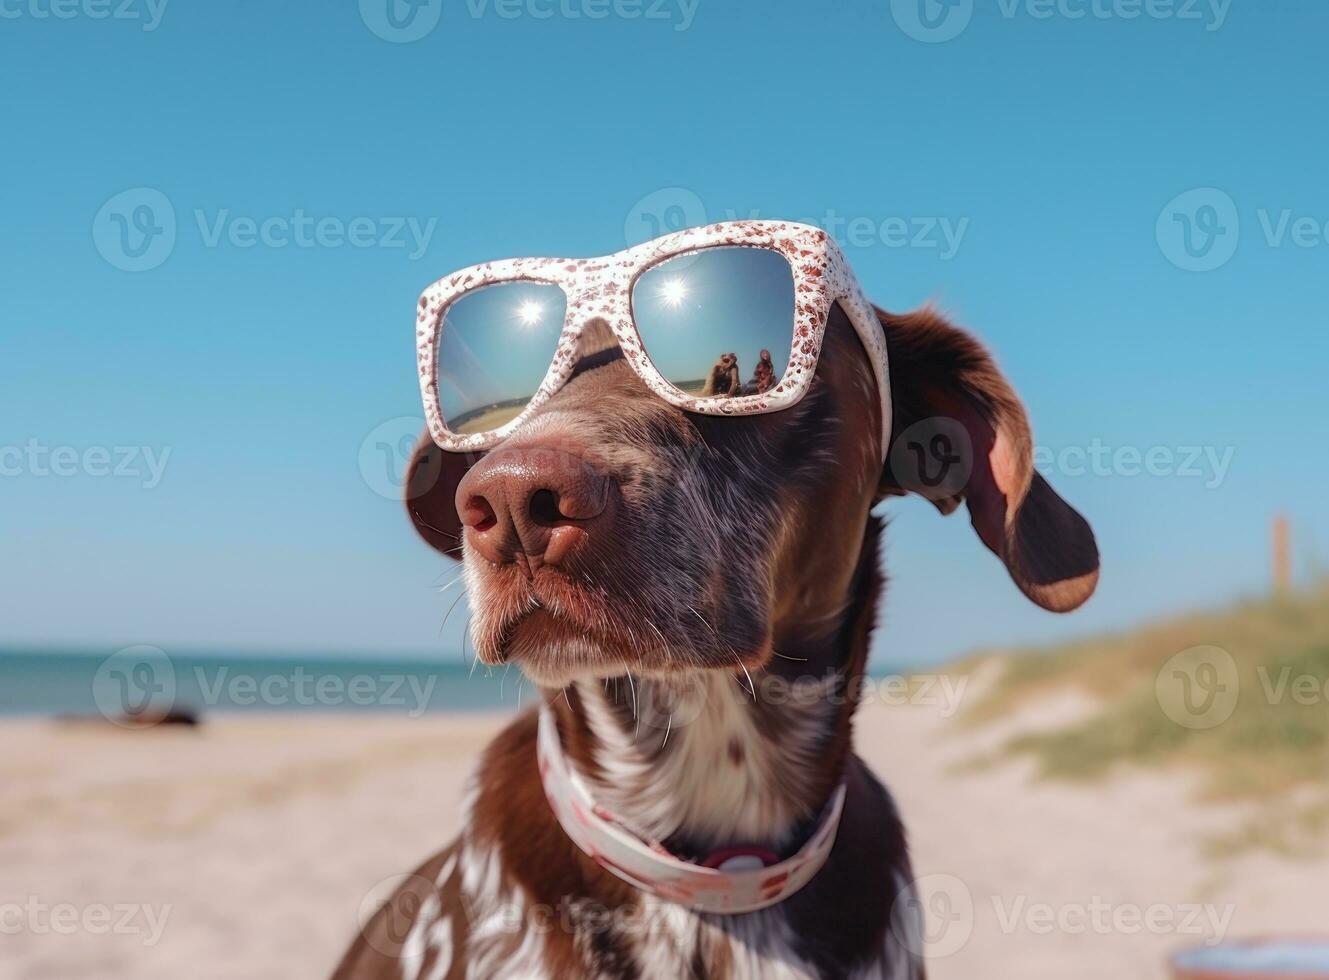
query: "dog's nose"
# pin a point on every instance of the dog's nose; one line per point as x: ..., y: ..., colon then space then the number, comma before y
x: 532, y: 505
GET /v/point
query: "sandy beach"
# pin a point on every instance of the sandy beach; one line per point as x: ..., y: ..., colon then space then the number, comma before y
x: 248, y: 847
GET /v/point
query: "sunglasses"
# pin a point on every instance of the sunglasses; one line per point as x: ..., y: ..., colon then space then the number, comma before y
x: 725, y: 319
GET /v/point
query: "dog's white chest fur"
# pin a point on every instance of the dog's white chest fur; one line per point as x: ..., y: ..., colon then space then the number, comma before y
x: 694, y: 760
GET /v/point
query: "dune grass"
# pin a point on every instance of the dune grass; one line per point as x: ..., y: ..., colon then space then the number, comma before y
x: 1275, y: 741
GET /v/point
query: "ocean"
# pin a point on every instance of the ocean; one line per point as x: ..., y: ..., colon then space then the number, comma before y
x: 141, y: 680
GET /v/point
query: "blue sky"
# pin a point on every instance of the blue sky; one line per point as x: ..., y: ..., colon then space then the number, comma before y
x: 1027, y: 173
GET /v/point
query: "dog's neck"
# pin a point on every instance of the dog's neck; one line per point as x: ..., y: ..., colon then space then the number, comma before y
x: 717, y: 758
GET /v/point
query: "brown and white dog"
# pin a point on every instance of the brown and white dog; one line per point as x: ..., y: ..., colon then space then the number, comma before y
x: 659, y: 574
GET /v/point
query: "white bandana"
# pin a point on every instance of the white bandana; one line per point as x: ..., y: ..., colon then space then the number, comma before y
x: 741, y: 880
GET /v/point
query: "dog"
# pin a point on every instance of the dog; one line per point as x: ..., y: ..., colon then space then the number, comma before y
x: 608, y: 549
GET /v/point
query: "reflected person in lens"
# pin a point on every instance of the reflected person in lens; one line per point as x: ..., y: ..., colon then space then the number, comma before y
x: 763, y: 376
x: 723, y: 378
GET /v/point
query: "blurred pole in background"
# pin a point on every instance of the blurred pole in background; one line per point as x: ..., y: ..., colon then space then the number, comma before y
x: 1282, y: 555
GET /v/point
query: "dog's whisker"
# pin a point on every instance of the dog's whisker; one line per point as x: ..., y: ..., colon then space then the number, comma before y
x: 465, y: 636
x: 669, y: 727
x: 444, y: 588
x: 703, y: 622
x: 637, y: 717
x: 460, y: 596
x: 752, y: 688
x: 415, y: 513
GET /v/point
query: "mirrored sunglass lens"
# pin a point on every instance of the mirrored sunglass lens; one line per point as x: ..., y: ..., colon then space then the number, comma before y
x: 495, y: 348
x: 718, y: 322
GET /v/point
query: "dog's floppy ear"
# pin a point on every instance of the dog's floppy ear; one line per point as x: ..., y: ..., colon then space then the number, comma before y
x: 431, y: 489
x: 959, y: 433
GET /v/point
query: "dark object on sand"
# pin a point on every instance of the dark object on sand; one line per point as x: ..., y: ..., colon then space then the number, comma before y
x: 186, y: 717
x: 175, y: 716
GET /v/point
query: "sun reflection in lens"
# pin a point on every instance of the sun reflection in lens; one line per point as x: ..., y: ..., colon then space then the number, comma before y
x: 672, y: 293
x: 529, y: 313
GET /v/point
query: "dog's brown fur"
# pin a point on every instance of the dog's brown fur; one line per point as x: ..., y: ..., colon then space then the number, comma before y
x: 666, y: 595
